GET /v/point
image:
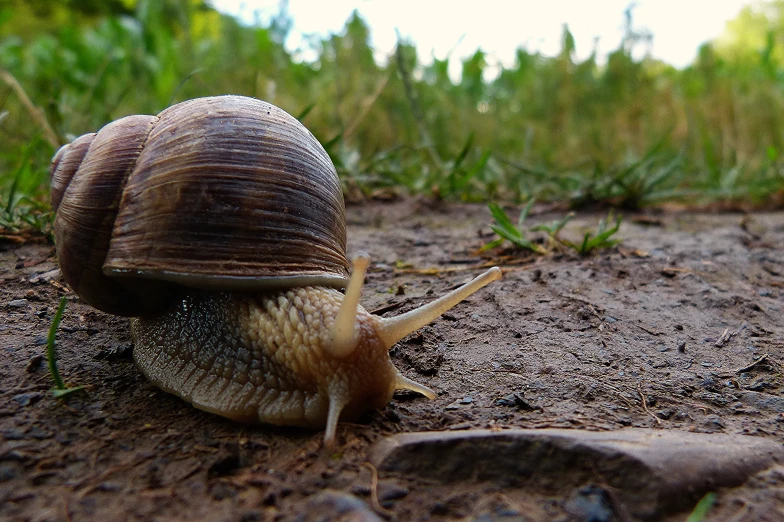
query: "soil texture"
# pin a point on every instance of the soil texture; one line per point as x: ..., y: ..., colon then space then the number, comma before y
x: 680, y: 327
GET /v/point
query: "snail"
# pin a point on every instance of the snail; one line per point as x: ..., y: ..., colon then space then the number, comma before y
x: 218, y: 226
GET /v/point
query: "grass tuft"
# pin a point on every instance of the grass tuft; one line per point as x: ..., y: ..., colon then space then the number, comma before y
x: 597, y: 240
x: 518, y: 235
x: 508, y: 232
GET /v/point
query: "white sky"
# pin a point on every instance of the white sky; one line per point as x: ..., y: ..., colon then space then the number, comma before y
x: 498, y: 27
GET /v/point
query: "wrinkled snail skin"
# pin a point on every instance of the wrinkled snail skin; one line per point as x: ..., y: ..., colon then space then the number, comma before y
x: 219, y: 227
x: 262, y: 358
x: 280, y: 357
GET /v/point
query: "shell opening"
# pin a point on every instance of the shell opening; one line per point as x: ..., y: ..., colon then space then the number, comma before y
x: 344, y: 334
x: 393, y: 329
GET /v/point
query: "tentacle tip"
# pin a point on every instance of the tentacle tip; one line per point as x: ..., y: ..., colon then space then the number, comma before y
x: 404, y: 383
x: 427, y: 392
x: 361, y: 260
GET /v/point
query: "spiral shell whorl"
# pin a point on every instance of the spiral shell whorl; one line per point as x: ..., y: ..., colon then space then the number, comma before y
x: 87, y: 210
x: 64, y: 165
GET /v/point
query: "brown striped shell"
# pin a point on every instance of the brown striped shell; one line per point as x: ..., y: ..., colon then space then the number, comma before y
x: 226, y: 192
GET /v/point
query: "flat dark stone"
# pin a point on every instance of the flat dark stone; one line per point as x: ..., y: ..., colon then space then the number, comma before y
x: 330, y: 505
x: 653, y: 472
x: 762, y: 401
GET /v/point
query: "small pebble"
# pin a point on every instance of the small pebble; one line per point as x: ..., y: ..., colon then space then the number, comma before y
x: 26, y: 399
x: 13, y: 434
x: 361, y: 490
x: 391, y: 491
x: 110, y: 486
x: 592, y: 503
x: 253, y: 515
x: 7, y: 473
x: 714, y: 421
x: 34, y: 363
x: 37, y: 433
x: 17, y: 303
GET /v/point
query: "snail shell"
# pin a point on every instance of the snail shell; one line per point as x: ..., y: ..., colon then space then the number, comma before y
x: 226, y: 193
x: 219, y: 225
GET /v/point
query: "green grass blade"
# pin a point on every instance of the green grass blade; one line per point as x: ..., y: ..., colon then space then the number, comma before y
x: 59, y: 394
x: 51, y: 356
x: 60, y: 390
x: 304, y: 113
x: 524, y: 213
x: 462, y: 181
x: 510, y: 235
x: 492, y: 244
x: 503, y: 223
x: 700, y: 511
x: 463, y: 152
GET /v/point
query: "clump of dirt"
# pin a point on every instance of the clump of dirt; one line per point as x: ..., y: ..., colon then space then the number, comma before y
x: 679, y: 327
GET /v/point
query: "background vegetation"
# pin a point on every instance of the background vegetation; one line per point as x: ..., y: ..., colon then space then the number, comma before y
x: 626, y: 131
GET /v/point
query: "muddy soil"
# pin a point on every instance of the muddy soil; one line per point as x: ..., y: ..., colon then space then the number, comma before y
x: 661, y: 332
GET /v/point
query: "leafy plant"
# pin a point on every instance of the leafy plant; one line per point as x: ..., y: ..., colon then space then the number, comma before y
x: 18, y: 209
x: 508, y: 232
x: 598, y: 240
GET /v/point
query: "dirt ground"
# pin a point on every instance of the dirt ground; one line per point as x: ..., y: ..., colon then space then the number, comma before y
x: 661, y: 332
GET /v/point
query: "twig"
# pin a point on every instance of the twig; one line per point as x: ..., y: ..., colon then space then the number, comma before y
x: 35, y: 112
x: 645, y: 404
x: 67, y: 509
x: 96, y: 482
x: 445, y: 270
x: 577, y: 298
x: 389, y: 307
x: 641, y: 327
x: 726, y: 336
x: 748, y: 367
x: 374, y: 491
x: 723, y: 338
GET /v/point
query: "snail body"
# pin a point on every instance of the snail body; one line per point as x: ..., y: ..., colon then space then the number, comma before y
x: 219, y: 227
